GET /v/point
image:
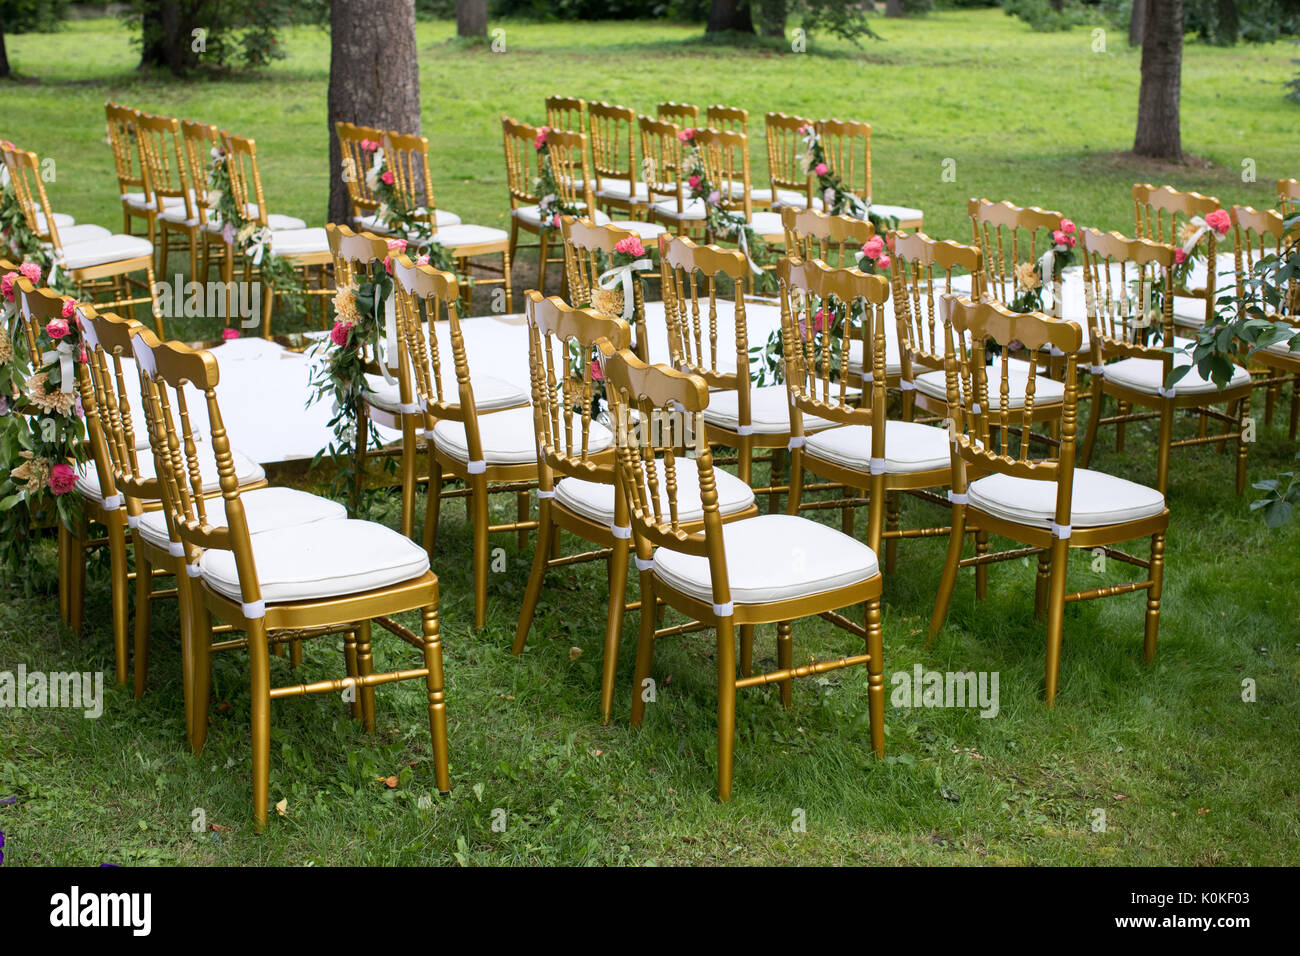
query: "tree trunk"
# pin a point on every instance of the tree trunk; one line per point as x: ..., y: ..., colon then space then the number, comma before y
x: 772, y: 15
x: 893, y: 8
x: 1135, y: 22
x: 471, y: 19
x: 1227, y: 26
x: 1162, y: 63
x: 374, y: 77
x: 4, y: 54
x: 167, y: 35
x: 734, y: 15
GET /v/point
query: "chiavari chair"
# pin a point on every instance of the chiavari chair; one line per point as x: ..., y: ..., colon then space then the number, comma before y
x: 682, y: 115
x: 568, y: 113
x: 756, y: 570
x: 1047, y: 504
x: 613, y: 156
x: 1258, y: 234
x: 408, y: 158
x: 490, y: 453
x: 661, y: 168
x: 588, y: 249
x: 847, y: 145
x: 200, y: 145
x: 288, y: 584
x: 171, y: 189
x: 357, y: 145
x: 735, y: 119
x: 99, y: 262
x: 1128, y: 284
x: 1166, y: 215
x: 1288, y: 196
x: 523, y: 167
x: 793, y: 184
x: 726, y: 164
x: 568, y: 152
x: 127, y: 163
x: 306, y: 249
x: 824, y: 310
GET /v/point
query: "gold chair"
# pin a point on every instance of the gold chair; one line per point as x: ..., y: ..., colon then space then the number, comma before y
x: 1123, y: 284
x: 1256, y: 235
x: 288, y: 584
x: 1166, y: 215
x: 734, y: 118
x: 724, y: 576
x: 864, y: 449
x: 357, y: 145
x: 793, y: 184
x: 683, y: 115
x: 568, y: 113
x: 613, y: 155
x: 122, y: 124
x: 490, y: 453
x: 847, y: 146
x: 97, y: 262
x: 1288, y: 196
x: 198, y: 143
x: 726, y: 162
x: 171, y: 189
x: 587, y: 252
x: 523, y: 167
x: 1049, y: 505
x: 661, y: 152
x: 1009, y: 238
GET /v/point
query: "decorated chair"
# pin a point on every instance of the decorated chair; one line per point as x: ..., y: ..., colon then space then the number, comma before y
x: 568, y: 113
x: 123, y: 139
x: 793, y: 182
x: 592, y: 279
x: 1180, y: 219
x: 293, y: 583
x: 725, y: 157
x: 750, y: 571
x: 846, y: 145
x: 682, y: 115
x: 201, y: 148
x: 1288, y: 196
x: 172, y: 189
x: 567, y: 155
x: 613, y: 155
x: 1047, y: 504
x: 523, y: 170
x: 670, y: 204
x: 1129, y: 289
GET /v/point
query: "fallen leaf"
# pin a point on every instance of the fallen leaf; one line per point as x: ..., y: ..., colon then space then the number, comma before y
x: 390, y: 782
x: 218, y: 828
x: 223, y: 707
x: 575, y: 653
x: 282, y: 807
x: 1202, y: 811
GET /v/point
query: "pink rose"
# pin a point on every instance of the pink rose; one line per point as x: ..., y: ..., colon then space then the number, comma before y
x: 388, y: 264
x: 1067, y: 227
x: 819, y: 319
x: 540, y: 141
x: 873, y: 247
x: 396, y: 245
x: 56, y: 328
x: 387, y: 177
x: 340, y: 334
x: 63, y: 478
x: 596, y: 374
x: 229, y: 333
x: 631, y: 246
x: 423, y: 260
x: 369, y: 145
x: 1058, y: 237
x: 694, y: 182
x: 69, y: 308
x: 883, y: 262
x: 803, y: 130
x: 821, y: 169
x: 7, y: 285
x: 31, y: 271
x: 1219, y: 221
x: 686, y: 135
x: 555, y: 220
x: 1179, y: 257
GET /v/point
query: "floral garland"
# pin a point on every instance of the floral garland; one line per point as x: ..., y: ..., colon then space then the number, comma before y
x: 1191, y: 243
x: 1031, y: 277
x: 723, y: 222
x: 248, y: 237
x: 836, y: 198
x: 23, y: 244
x: 399, y: 218
x: 549, y: 207
x: 42, y: 432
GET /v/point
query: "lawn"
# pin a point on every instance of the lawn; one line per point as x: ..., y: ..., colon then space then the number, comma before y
x: 1185, y: 770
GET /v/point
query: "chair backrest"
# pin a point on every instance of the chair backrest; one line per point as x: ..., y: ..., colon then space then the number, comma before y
x: 354, y: 254
x: 161, y: 153
x: 408, y: 157
x: 923, y: 270
x: 33, y: 311
x: 1160, y: 213
x: 357, y: 144
x: 726, y: 165
x: 679, y: 114
x: 613, y: 143
x: 733, y: 118
x: 823, y: 311
x: 847, y: 146
x: 785, y: 155
x: 694, y: 343
x: 245, y: 180
x: 661, y: 162
x: 1009, y: 236
x: 567, y: 113
x: 568, y: 154
x: 563, y: 358
x: 24, y: 168
x: 1258, y: 234
x: 647, y: 403
x: 810, y: 234
x: 121, y: 121
x: 1128, y: 293
x: 969, y: 328
x: 1288, y: 196
x: 588, y: 249
x: 522, y: 162
x: 198, y: 140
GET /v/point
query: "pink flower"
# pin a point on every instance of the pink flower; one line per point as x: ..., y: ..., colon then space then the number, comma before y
x: 873, y: 247
x: 7, y: 285
x: 596, y: 374
x: 229, y: 333
x: 369, y: 145
x: 340, y: 334
x: 821, y: 169
x: 1179, y: 257
x: 423, y: 260
x: 57, y: 328
x: 803, y: 130
x: 69, y: 308
x: 1218, y: 221
x: 388, y: 264
x: 694, y: 181
x: 1058, y: 237
x: 31, y: 271
x: 396, y: 245
x: 883, y: 262
x: 555, y: 220
x: 819, y: 320
x: 540, y: 141
x: 62, y: 479
x: 1067, y: 227
x: 387, y: 177
x: 631, y: 246
x: 686, y: 135
x: 714, y: 198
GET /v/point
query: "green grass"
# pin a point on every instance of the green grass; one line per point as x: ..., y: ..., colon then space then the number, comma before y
x: 1186, y: 771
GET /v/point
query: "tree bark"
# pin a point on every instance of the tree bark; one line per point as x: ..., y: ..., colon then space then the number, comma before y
x: 167, y: 35
x: 471, y: 19
x: 772, y: 16
x: 730, y: 15
x: 374, y: 77
x: 1135, y: 19
x: 4, y: 54
x: 1227, y: 26
x: 893, y: 8
x: 1158, y: 134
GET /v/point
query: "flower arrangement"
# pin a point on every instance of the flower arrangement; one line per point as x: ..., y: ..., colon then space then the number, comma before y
x: 722, y: 222
x: 24, y: 245
x: 767, y: 362
x: 549, y: 206
x: 836, y: 197
x: 873, y: 258
x: 397, y: 216
x: 1032, y: 277
x: 614, y: 292
x: 1192, y: 244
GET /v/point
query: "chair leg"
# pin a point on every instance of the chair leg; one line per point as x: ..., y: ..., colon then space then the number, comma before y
x: 541, y: 261
x: 65, y: 572
x: 645, y: 648
x: 1243, y: 411
x: 537, y: 576
x: 1123, y: 408
x: 350, y: 662
x: 951, y: 564
x: 366, y: 667
x: 784, y: 658
x: 795, y: 498
x: 891, y: 526
x: 775, y: 472
x: 194, y: 255
x: 746, y: 649
x: 726, y: 705
x: 295, y: 655
x: 1094, y: 421
x: 521, y: 515
x: 201, y: 681
x: 981, y: 570
x: 1056, y: 614
x: 121, y: 588
x: 433, y: 503
x: 260, y: 720
x: 1164, y: 446
x: 1295, y: 408
x: 506, y: 264
x: 143, y: 620
x: 479, y: 503
x: 435, y: 686
x: 745, y: 460
x: 1153, y: 597
x: 876, y: 675
x: 1041, y: 582
x: 165, y: 236
x: 613, y: 623
x: 410, y: 461
x: 154, y: 312
x: 77, y: 605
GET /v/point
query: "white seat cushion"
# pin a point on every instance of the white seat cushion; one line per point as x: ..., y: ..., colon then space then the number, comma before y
x: 370, y: 222
x: 509, y: 437
x: 246, y: 470
x: 796, y: 199
x: 267, y: 509
x: 772, y: 558
x: 893, y: 357
x: 97, y: 252
x: 1146, y: 375
x: 280, y: 223
x: 72, y: 235
x: 464, y: 234
x: 532, y: 216
x: 291, y: 242
x: 767, y: 224
x: 138, y: 201
x: 61, y: 219
x: 595, y: 500
x: 1047, y: 391
x: 691, y: 209
x: 176, y: 214
x: 1097, y: 499
x: 489, y: 393
x: 647, y: 231
x: 909, y: 447
x: 320, y: 560
x: 769, y: 410
x: 901, y: 213
x: 621, y: 189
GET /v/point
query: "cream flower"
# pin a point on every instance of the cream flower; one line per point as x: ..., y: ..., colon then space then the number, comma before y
x: 345, y: 305
x: 1027, y: 277
x: 56, y: 401
x: 6, y: 347
x: 34, y: 471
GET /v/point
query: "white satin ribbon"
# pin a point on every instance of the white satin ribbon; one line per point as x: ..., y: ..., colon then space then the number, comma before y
x: 258, y: 247
x: 744, y: 247
x: 63, y: 354
x: 622, y: 275
x: 390, y: 338
x: 1201, y: 229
